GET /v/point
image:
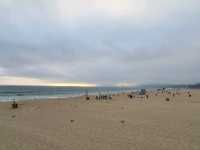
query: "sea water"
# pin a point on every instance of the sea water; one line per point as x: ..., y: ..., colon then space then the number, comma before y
x: 9, y: 93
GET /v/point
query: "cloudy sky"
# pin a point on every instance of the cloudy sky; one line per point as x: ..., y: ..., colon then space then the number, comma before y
x: 99, y: 42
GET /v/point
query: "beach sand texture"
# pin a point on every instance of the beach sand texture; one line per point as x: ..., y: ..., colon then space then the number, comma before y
x: 117, y: 124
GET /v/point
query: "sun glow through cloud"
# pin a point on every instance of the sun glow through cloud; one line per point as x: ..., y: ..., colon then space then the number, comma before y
x: 7, y: 80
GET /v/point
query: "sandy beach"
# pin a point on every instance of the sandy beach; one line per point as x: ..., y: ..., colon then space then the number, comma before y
x: 117, y: 124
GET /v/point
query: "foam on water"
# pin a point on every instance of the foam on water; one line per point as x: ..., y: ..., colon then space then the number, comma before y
x: 9, y: 93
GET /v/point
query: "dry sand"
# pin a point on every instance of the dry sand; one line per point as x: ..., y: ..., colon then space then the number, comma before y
x: 118, y: 124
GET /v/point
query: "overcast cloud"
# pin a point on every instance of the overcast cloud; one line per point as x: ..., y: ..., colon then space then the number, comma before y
x: 102, y: 42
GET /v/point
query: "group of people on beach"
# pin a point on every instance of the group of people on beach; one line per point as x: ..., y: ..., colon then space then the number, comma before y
x: 103, y: 97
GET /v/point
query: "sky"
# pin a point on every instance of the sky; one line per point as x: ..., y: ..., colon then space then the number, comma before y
x: 99, y: 42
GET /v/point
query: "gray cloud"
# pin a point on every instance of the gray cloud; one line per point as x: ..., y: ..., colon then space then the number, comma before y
x: 157, y: 45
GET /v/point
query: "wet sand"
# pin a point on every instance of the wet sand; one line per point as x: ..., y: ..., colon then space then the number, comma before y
x: 117, y: 124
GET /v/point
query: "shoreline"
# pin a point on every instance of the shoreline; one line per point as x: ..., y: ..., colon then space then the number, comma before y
x: 55, y: 96
x: 77, y: 96
x: 66, y: 97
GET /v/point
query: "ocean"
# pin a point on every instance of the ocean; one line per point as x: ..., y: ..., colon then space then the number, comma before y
x: 9, y: 93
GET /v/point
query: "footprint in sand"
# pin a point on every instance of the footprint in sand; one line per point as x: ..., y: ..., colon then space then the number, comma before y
x: 122, y: 121
x: 13, y: 116
x: 72, y: 121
